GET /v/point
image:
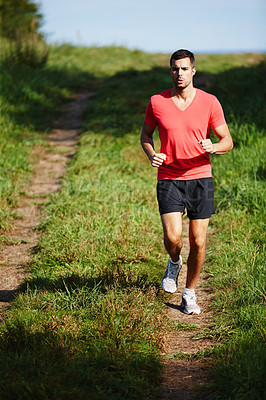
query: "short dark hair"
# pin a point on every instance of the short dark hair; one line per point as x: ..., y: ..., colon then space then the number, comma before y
x: 179, y: 54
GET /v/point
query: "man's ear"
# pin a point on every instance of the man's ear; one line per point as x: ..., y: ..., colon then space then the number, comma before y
x: 194, y: 71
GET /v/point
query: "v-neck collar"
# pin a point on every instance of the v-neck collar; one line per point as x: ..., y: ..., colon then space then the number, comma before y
x: 190, y: 104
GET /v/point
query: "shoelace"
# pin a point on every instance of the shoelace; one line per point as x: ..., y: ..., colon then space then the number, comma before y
x: 172, y: 271
x: 190, y: 299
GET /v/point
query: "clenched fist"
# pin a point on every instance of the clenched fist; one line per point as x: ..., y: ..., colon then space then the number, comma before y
x: 207, y: 146
x: 157, y: 159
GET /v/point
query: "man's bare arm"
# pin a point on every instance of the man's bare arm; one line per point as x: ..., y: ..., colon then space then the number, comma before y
x: 146, y: 140
x: 224, y: 145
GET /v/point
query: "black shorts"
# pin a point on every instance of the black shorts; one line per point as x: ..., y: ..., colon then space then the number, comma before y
x: 196, y: 196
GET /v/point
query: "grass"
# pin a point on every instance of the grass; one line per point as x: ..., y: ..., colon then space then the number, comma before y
x: 88, y: 319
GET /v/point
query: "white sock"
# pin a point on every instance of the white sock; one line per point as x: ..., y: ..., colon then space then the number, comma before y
x: 175, y: 262
x: 189, y: 291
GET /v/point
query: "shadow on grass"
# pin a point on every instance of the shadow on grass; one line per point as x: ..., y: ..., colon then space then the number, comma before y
x: 31, y: 97
x: 111, y: 276
x: 41, y: 365
x: 242, y: 92
x: 119, y: 106
x: 65, y: 357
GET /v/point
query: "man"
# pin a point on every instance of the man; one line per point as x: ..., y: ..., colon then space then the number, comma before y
x: 184, y: 116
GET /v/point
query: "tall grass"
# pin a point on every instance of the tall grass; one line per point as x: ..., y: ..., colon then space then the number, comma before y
x: 88, y: 321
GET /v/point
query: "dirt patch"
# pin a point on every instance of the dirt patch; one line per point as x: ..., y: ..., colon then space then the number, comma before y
x: 50, y: 168
x: 185, y: 378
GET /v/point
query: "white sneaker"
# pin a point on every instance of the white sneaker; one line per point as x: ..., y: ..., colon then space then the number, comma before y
x: 169, y: 280
x: 189, y: 305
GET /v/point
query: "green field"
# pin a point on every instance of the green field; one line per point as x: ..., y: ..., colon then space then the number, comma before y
x: 88, y: 321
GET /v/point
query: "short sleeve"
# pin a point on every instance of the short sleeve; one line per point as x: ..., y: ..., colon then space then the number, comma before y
x: 217, y: 115
x: 149, y: 116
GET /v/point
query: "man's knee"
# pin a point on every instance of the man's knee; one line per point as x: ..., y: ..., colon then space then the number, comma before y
x: 198, y: 241
x: 173, y: 239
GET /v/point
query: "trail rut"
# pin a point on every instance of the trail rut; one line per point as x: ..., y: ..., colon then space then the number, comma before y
x: 184, y: 379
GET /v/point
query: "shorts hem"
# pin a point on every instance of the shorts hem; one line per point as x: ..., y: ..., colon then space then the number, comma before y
x: 170, y: 212
x: 200, y: 217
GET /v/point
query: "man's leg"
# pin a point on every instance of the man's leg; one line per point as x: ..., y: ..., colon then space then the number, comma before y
x: 172, y: 228
x: 197, y: 239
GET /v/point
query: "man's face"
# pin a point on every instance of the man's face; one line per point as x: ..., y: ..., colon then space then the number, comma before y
x: 182, y: 72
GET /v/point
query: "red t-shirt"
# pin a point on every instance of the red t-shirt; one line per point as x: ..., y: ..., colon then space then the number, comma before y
x: 180, y: 133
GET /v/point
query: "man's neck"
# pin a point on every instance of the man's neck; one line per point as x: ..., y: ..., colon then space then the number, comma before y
x: 184, y: 94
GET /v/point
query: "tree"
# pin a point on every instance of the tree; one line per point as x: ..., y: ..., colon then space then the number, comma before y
x: 20, y: 24
x: 20, y: 19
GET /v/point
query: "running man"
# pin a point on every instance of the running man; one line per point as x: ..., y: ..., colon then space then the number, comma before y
x: 184, y: 116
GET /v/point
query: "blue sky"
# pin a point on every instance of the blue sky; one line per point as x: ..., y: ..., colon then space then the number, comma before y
x: 158, y: 25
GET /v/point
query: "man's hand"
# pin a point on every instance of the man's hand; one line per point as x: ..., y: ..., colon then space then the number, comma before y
x: 157, y: 159
x: 207, y: 146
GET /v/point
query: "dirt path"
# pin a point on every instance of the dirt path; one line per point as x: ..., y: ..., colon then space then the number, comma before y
x: 183, y: 379
x: 50, y: 168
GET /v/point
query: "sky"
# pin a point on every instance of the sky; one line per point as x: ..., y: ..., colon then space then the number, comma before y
x: 202, y: 26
